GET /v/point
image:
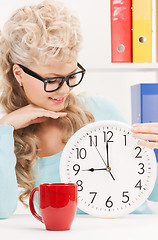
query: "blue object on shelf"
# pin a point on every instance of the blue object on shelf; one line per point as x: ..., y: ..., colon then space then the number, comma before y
x: 144, y: 100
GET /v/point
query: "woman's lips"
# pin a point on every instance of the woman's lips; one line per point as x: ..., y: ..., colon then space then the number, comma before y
x: 57, y: 100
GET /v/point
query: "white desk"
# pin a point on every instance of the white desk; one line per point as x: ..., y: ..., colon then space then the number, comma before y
x: 131, y: 227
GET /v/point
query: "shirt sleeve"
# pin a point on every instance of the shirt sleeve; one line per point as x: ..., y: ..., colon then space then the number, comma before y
x: 8, y: 181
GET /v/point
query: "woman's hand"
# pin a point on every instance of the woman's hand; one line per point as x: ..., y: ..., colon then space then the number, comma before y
x: 28, y: 115
x: 146, y: 132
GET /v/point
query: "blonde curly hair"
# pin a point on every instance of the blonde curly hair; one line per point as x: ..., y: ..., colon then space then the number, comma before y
x: 36, y: 34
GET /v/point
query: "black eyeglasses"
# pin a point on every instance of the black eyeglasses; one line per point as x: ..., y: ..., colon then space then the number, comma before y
x: 54, y: 83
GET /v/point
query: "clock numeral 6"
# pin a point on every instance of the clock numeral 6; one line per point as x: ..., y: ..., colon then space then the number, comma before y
x: 81, y: 153
x: 109, y: 203
x: 79, y: 185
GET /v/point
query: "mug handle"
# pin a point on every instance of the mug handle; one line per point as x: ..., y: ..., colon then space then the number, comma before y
x: 31, y: 205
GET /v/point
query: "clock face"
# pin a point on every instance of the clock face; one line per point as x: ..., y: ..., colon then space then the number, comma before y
x: 113, y: 174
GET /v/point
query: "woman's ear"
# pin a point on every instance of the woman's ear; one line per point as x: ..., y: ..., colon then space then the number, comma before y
x: 18, y: 74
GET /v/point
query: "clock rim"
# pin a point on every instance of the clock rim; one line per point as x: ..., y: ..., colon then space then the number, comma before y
x: 63, y: 175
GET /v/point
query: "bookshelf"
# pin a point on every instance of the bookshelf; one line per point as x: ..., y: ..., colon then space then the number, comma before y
x: 126, y: 66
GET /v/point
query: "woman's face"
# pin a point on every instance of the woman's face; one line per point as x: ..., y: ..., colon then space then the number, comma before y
x: 34, y: 88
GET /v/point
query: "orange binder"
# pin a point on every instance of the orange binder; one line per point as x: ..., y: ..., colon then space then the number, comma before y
x: 121, y: 33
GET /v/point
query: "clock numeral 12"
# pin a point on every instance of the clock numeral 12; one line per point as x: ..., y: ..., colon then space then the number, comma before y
x: 108, y: 139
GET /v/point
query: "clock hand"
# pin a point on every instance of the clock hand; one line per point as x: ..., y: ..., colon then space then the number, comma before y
x: 99, y: 153
x: 107, y: 152
x: 111, y: 174
x: 99, y: 169
x: 107, y: 168
x: 95, y: 169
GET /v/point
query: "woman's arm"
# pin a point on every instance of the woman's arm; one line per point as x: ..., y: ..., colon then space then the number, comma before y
x: 17, y: 119
x: 8, y: 181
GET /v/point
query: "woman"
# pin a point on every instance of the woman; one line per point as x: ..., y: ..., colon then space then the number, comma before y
x: 39, y: 48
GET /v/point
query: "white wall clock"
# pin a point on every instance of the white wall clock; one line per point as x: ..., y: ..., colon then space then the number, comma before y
x: 113, y: 174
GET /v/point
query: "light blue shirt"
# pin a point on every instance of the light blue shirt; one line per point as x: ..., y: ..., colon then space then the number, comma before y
x: 46, y: 169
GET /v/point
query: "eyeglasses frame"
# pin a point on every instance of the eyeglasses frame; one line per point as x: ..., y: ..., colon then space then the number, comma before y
x: 45, y: 80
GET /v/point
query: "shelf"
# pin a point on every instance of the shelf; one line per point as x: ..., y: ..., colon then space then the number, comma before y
x: 125, y: 67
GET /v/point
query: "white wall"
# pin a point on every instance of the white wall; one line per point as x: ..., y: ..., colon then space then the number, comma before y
x: 95, y: 21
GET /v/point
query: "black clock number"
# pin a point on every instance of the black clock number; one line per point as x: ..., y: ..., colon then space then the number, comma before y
x: 76, y: 168
x: 93, y: 140
x: 95, y: 193
x: 109, y: 137
x: 124, y: 195
x: 125, y: 139
x: 138, y: 185
x: 139, y: 151
x: 79, y: 185
x: 81, y: 153
x: 109, y: 203
x: 142, y: 168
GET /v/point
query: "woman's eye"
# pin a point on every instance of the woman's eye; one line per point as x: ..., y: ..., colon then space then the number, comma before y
x: 54, y: 81
x: 51, y: 82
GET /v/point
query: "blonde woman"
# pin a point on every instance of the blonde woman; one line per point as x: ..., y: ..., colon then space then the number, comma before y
x: 39, y: 48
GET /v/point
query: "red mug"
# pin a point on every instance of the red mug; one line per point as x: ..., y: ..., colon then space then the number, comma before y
x: 57, y: 205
